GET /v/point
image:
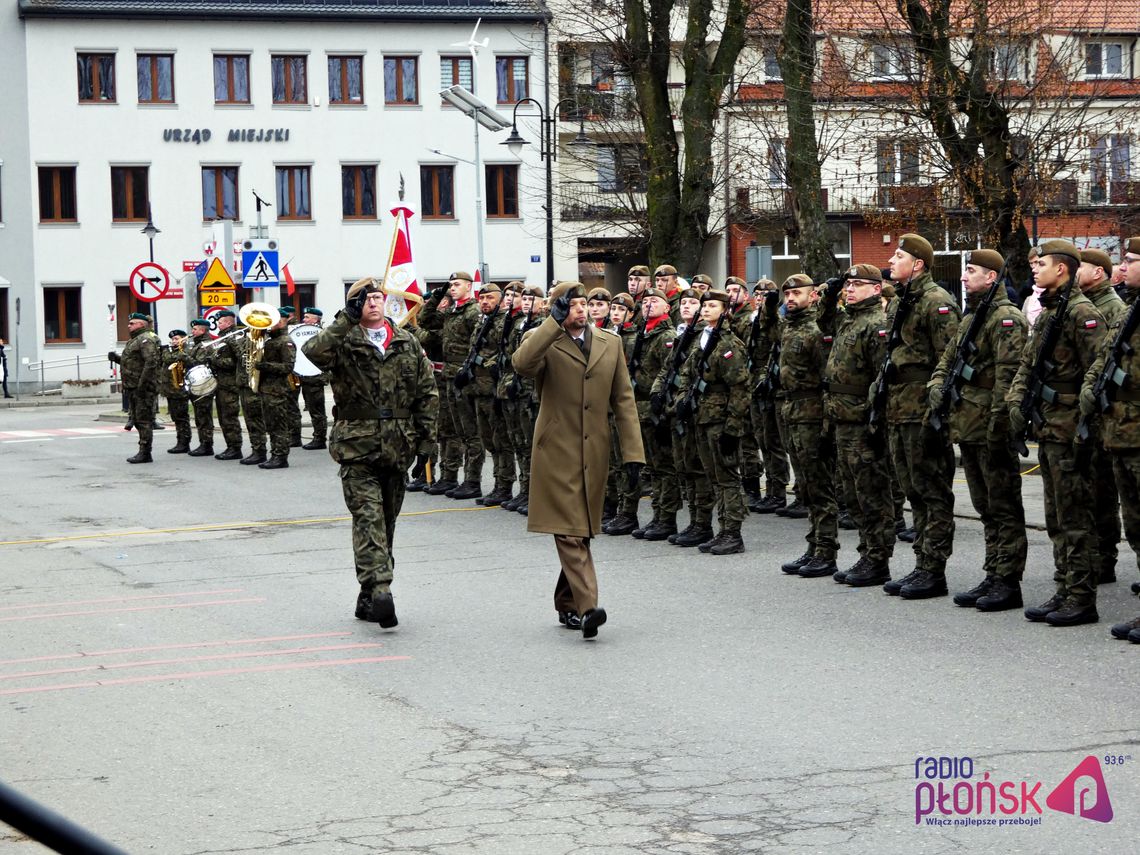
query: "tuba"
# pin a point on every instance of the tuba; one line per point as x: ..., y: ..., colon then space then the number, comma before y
x: 259, y: 318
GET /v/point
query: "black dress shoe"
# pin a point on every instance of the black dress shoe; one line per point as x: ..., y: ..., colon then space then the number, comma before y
x: 229, y: 454
x: 1039, y: 613
x: 817, y: 568
x: 1072, y: 613
x: 907, y: 535
x: 894, y: 587
x: 591, y: 620
x: 204, y: 451
x: 792, y: 567
x: 256, y: 458
x: 439, y: 488
x: 315, y: 443
x: 1124, y: 630
x: 924, y: 586
x: 695, y: 537
x: 1004, y: 594
x: 570, y: 620
x: 872, y: 574
x: 383, y: 609
x: 275, y: 462
x: 969, y: 599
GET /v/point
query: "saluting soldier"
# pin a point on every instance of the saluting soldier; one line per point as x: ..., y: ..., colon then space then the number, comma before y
x: 177, y: 399
x: 765, y: 422
x: 203, y: 406
x: 313, y: 391
x: 508, y: 389
x: 1067, y: 486
x: 979, y: 423
x: 276, y: 390
x: 385, y: 405
x: 140, y: 364
x: 225, y: 363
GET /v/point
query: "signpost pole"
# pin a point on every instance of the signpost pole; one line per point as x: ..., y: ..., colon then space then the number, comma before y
x: 150, y: 230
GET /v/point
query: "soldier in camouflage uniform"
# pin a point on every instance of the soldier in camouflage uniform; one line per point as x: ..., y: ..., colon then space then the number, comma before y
x: 293, y: 405
x: 276, y: 390
x: 717, y: 370
x: 489, y: 409
x: 517, y: 394
x: 140, y: 367
x: 313, y: 391
x: 204, y: 406
x: 924, y: 461
x: 223, y: 362
x: 456, y: 325
x: 1120, y: 422
x: 385, y: 405
x: 804, y: 350
x: 979, y: 423
x: 1093, y: 279
x: 742, y: 327
x: 617, y: 499
x: 637, y: 282
x: 774, y: 458
x: 856, y: 354
x: 432, y: 345
x: 1067, y: 485
x: 665, y: 280
x: 177, y: 399
x: 239, y: 350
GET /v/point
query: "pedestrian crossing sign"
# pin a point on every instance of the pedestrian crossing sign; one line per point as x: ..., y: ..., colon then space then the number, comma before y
x: 259, y: 269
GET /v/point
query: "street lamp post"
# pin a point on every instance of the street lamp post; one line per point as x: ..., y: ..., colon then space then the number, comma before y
x: 547, y: 151
x: 150, y: 230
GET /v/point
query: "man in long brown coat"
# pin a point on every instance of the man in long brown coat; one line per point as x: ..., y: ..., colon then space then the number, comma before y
x: 580, y: 376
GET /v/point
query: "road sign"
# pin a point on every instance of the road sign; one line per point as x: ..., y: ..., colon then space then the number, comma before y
x: 211, y: 315
x: 190, y: 266
x: 149, y: 281
x: 216, y: 277
x: 174, y: 292
x: 259, y: 268
x: 217, y: 298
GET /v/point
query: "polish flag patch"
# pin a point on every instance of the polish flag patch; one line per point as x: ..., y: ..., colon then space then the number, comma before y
x: 1007, y: 322
x: 828, y: 339
x: 943, y: 310
x: 882, y: 333
x: 728, y: 354
x: 1090, y: 324
x: 668, y: 344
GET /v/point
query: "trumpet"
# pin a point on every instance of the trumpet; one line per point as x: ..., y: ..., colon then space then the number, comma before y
x: 222, y: 339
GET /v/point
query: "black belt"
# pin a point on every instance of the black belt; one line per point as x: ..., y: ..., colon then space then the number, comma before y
x: 847, y: 389
x: 360, y: 414
x: 802, y: 395
x: 1065, y: 387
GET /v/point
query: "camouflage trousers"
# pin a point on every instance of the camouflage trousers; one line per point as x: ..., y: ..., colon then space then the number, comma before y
x: 994, y: 480
x: 813, y: 456
x: 229, y: 415
x: 897, y: 494
x: 373, y: 495
x: 1126, y: 469
x: 251, y: 409
x: 520, y: 431
x: 179, y: 409
x: 314, y: 395
x: 1069, y: 520
x: 471, y: 453
x: 1106, y: 510
x: 731, y: 506
x: 693, y: 479
x: 926, y: 475
x: 666, y: 497
x: 277, y: 410
x: 142, y: 405
x: 775, y: 459
x: 614, y: 491
x: 204, y: 419
x: 493, y: 436
x: 751, y: 465
x: 447, y: 436
x: 869, y: 503
x: 293, y: 409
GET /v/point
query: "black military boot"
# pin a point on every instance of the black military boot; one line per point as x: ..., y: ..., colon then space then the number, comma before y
x: 847, y: 522
x: 229, y: 454
x: 570, y: 620
x: 1125, y: 630
x: 907, y: 535
x: 1004, y: 594
x: 731, y: 543
x: 523, y: 507
x: 202, y: 451
x: 686, y: 530
x: 467, y: 490
x: 416, y: 485
x: 622, y: 524
x: 969, y: 599
x: 840, y: 576
x: 496, y: 497
x: 818, y: 567
x: 924, y: 586
x: 143, y: 456
x: 180, y: 447
x: 770, y: 505
x: 277, y: 461
x: 513, y: 502
x: 256, y: 458
x: 383, y: 609
x: 1135, y: 588
x: 716, y: 540
x: 296, y: 442
x: 1073, y: 613
x: 130, y: 425
x: 797, y: 510
x: 609, y: 511
x: 793, y: 567
x: 1038, y: 613
x: 751, y: 490
x: 364, y: 605
x: 317, y: 442
x: 661, y: 529
x: 440, y: 487
x: 870, y: 575
x: 698, y: 535
x: 894, y: 587
x: 639, y: 532
x: 1107, y: 574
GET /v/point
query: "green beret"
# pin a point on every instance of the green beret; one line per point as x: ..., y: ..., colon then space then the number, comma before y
x: 224, y: 313
x: 1097, y: 258
x: 460, y: 274
x: 173, y: 333
x: 665, y: 270
x: 865, y: 271
x: 714, y: 294
x: 624, y: 300
x: 1061, y: 247
x: 919, y: 247
x: 285, y: 311
x: 599, y: 294
x: 987, y: 258
x: 797, y: 280
x: 199, y: 322
x: 702, y: 279
x: 310, y: 310
x: 638, y: 270
x: 138, y: 316
x: 1131, y: 245
x: 574, y: 289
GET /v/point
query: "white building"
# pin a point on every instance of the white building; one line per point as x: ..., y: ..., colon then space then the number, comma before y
x: 188, y: 106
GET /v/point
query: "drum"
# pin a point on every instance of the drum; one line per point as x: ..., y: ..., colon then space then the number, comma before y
x: 300, y: 334
x: 200, y: 382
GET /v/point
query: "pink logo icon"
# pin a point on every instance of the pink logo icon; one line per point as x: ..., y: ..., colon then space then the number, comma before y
x: 1083, y: 793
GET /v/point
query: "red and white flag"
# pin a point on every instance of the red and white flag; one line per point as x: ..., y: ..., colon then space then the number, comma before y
x: 401, y: 284
x: 477, y: 285
x: 290, y: 283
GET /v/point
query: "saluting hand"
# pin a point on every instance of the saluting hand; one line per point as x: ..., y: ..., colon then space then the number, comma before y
x: 560, y: 308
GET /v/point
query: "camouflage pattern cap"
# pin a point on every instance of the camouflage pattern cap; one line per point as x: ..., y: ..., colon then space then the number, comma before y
x: 919, y: 247
x: 987, y: 258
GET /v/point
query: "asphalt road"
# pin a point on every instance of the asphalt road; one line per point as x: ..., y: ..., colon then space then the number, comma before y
x: 180, y: 671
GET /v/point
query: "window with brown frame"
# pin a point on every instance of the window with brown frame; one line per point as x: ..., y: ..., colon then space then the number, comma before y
x: 456, y: 70
x: 358, y: 192
x: 346, y: 80
x: 290, y: 85
x: 96, y: 77
x: 293, y: 200
x: 400, y: 83
x: 57, y: 194
x: 503, y: 190
x: 231, y: 78
x: 63, y: 322
x: 511, y: 79
x: 437, y: 192
x: 219, y: 193
x: 156, y: 78
x: 129, y: 197
x: 304, y: 296
x: 125, y: 303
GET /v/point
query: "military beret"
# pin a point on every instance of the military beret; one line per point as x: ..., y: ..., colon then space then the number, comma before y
x: 515, y: 285
x: 665, y: 270
x: 460, y: 274
x: 285, y: 311
x: 623, y: 299
x: 1097, y: 258
x: 173, y: 333
x: 533, y: 291
x: 368, y: 285
x: 797, y: 280
x: 987, y: 258
x: 1131, y: 245
x: 1034, y: 252
x: 889, y: 290
x: 764, y: 285
x: 1060, y: 247
x: 139, y: 316
x: 737, y: 281
x: 574, y: 289
x: 199, y: 322
x: 599, y: 294
x: 638, y: 270
x: 490, y: 288
x: 224, y: 313
x: 702, y: 279
x: 290, y: 310
x: 689, y: 293
x: 919, y: 247
x: 310, y: 310
x: 865, y: 271
x: 714, y: 294
x: 654, y: 292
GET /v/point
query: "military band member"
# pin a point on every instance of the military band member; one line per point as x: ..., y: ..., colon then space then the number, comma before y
x: 293, y: 405
x: 276, y: 391
x: 225, y: 365
x: 203, y: 406
x: 313, y: 391
x: 240, y: 349
x: 140, y: 366
x: 177, y: 399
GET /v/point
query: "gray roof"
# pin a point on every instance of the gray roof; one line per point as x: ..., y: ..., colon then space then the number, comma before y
x: 379, y: 10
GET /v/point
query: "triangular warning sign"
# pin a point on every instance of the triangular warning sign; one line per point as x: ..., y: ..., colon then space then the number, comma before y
x: 216, y: 278
x: 1083, y: 793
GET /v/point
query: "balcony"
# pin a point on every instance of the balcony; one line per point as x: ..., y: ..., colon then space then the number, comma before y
x: 587, y: 201
x: 597, y: 103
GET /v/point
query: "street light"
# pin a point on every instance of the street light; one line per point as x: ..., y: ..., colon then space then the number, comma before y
x: 547, y: 151
x: 150, y: 230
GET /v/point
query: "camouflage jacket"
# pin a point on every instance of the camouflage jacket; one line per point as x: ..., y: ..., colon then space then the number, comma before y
x: 456, y: 325
x: 679, y: 354
x: 1120, y: 423
x: 856, y: 354
x: 742, y: 322
x: 512, y: 385
x: 483, y: 383
x: 803, y: 360
x: 385, y: 407
x: 276, y: 366
x: 226, y: 361
x: 656, y: 347
x: 726, y: 394
x: 929, y: 327
x: 196, y: 346
x: 506, y: 369
x: 170, y: 357
x: 1078, y: 347
x: 1108, y: 303
x: 141, y: 362
x: 982, y: 413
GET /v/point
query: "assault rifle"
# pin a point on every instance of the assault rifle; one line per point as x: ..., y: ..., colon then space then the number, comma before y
x: 680, y: 349
x: 515, y: 387
x: 1037, y: 390
x: 876, y: 414
x: 769, y: 384
x: 635, y: 355
x: 688, y: 405
x: 1112, y: 376
x: 961, y: 371
x: 466, y: 372
x: 500, y: 365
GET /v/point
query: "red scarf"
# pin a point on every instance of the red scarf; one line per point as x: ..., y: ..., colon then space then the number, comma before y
x: 651, y: 324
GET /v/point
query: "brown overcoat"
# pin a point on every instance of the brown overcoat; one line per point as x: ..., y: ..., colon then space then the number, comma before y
x: 571, y: 451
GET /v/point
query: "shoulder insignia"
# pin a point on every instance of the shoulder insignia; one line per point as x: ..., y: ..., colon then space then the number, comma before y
x: 1007, y: 322
x: 668, y: 344
x: 882, y: 333
x: 828, y: 339
x: 728, y: 354
x: 943, y: 310
x: 1090, y: 324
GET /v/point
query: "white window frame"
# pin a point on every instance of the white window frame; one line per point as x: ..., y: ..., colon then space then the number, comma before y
x: 1125, y: 56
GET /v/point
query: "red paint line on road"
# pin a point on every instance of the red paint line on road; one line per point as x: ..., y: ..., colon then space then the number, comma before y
x: 135, y: 609
x: 213, y: 657
x: 123, y: 599
x: 188, y: 646
x: 196, y: 675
